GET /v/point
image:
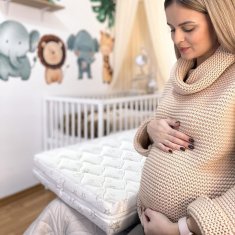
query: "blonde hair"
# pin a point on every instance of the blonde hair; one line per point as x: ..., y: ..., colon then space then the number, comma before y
x: 221, y: 14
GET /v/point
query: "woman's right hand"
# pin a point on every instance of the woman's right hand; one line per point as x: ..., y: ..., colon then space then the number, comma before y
x: 165, y: 135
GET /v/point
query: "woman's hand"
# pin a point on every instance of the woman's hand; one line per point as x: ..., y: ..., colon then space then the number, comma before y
x: 155, y: 223
x: 192, y: 225
x: 166, y: 136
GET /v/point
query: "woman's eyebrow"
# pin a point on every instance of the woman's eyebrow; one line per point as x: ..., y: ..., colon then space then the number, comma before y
x: 184, y: 23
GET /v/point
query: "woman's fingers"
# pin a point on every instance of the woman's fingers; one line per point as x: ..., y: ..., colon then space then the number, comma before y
x: 178, y: 140
x: 177, y: 143
x: 173, y: 123
x: 165, y: 135
x: 174, y: 146
x: 163, y: 148
x: 180, y: 135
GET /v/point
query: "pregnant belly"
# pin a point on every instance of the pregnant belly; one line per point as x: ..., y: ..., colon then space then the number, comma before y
x: 168, y: 184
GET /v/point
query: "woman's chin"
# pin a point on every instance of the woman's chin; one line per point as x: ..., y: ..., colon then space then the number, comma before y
x: 186, y: 57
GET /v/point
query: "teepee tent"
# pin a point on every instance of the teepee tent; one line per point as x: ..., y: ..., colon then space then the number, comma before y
x: 141, y: 23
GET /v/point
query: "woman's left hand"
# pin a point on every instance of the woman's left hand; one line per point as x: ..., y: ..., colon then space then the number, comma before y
x: 156, y: 223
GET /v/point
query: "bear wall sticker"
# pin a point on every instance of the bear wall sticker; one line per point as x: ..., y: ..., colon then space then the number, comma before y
x: 84, y: 47
x: 15, y: 43
x: 52, y: 54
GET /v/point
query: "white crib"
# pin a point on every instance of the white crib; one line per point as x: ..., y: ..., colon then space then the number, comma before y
x: 68, y: 120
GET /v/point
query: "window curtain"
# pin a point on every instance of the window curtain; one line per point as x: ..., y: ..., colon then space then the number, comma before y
x: 140, y: 23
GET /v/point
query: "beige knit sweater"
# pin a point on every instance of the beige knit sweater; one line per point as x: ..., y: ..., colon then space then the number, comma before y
x: 200, y: 182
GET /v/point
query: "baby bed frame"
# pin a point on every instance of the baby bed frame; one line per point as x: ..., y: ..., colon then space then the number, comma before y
x: 68, y: 120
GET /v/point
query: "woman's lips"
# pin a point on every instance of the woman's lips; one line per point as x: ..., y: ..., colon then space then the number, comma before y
x: 183, y: 49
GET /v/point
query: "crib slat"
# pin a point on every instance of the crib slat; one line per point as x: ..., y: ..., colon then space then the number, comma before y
x: 114, y: 112
x: 100, y: 119
x: 155, y: 102
x: 150, y: 108
x: 92, y: 122
x: 79, y: 122
x: 85, y: 122
x: 126, y: 119
x: 119, y: 116
x: 72, y: 125
x: 61, y: 126
x: 56, y: 120
x: 137, y: 109
x: 131, y: 114
x: 108, y: 123
x: 141, y: 111
x: 68, y: 120
x: 145, y: 116
x: 45, y: 124
x: 51, y: 124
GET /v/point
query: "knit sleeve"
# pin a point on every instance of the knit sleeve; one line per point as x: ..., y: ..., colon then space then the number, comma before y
x: 215, y: 216
x: 142, y: 142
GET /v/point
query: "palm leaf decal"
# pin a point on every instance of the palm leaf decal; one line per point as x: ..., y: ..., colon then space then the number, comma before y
x: 105, y: 11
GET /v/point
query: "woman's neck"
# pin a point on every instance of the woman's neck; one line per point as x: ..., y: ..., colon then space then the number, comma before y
x: 193, y: 67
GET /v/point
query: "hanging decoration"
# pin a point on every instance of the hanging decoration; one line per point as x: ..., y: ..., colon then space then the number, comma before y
x: 105, y: 11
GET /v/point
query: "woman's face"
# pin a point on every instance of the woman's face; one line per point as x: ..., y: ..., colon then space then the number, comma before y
x: 191, y: 32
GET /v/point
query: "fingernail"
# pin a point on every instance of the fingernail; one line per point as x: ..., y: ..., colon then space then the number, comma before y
x: 191, y: 146
x: 170, y: 151
x: 191, y: 140
x: 182, y: 148
x: 177, y: 122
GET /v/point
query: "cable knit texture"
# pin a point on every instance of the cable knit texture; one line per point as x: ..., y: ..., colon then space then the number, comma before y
x: 200, y: 181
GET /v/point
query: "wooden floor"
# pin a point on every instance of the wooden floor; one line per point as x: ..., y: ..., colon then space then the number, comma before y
x: 18, y: 211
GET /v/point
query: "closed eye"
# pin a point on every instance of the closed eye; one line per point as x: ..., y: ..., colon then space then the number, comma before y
x: 188, y: 30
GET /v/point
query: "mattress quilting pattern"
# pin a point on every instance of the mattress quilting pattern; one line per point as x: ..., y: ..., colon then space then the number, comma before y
x: 98, y: 178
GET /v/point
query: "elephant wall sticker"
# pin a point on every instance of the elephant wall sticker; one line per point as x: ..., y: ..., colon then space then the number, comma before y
x: 15, y: 43
x: 84, y: 47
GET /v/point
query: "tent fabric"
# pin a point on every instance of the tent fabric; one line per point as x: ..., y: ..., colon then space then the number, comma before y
x: 124, y: 20
x: 141, y: 23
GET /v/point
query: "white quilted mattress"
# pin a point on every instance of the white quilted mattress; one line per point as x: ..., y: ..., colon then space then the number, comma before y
x: 98, y: 178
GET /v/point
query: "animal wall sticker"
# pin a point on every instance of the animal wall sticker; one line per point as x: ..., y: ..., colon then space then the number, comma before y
x: 52, y: 54
x: 15, y: 43
x: 106, y: 47
x: 84, y: 47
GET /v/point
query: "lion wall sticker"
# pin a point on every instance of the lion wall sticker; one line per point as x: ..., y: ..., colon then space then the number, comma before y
x: 84, y: 47
x: 15, y: 43
x: 52, y: 54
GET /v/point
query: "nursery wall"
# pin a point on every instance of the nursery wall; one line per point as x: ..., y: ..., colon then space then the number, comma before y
x: 21, y: 101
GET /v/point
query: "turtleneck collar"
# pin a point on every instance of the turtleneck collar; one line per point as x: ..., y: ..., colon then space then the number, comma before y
x: 204, y: 75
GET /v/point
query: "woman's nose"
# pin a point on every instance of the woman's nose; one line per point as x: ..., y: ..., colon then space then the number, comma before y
x: 178, y: 37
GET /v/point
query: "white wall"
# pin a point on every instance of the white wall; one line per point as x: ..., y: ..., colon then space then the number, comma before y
x: 21, y: 101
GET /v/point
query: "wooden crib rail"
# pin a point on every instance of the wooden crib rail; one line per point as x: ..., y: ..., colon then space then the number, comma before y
x: 68, y: 120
